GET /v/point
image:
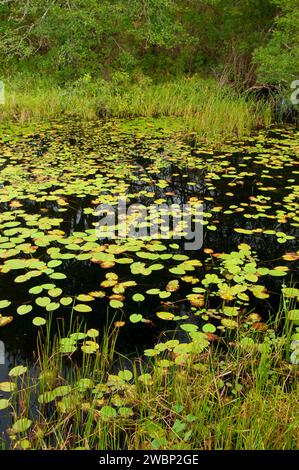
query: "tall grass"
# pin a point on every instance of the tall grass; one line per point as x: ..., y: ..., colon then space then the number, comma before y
x: 203, y: 106
x: 240, y: 393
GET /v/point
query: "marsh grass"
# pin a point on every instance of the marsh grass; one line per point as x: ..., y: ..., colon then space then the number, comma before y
x: 203, y: 106
x: 239, y: 393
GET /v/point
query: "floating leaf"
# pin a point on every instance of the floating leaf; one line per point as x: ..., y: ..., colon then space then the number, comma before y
x: 21, y: 425
x: 231, y: 311
x: 57, y: 276
x: 52, y: 306
x: 231, y: 324
x: 153, y: 291
x: 24, y: 309
x: 39, y: 321
x: 209, y: 328
x: 17, y: 371
x: 4, y: 404
x: 84, y: 384
x: 165, y: 315
x: 125, y: 411
x: 4, y: 304
x: 172, y: 286
x: 189, y: 327
x: 146, y: 379
x: 92, y: 333
x: 65, y: 301
x: 125, y: 375
x: 36, y: 290
x: 293, y: 315
x: 7, y: 386
x: 138, y: 297
x: 42, y: 301
x: 135, y: 318
x: 107, y: 412
x: 82, y: 308
x: 90, y: 347
x: 85, y: 298
x: 67, y: 346
x: 116, y: 303
x: 290, y: 292
x: 55, y: 292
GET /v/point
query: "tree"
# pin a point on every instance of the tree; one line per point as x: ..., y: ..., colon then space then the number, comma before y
x: 234, y: 41
x: 278, y: 60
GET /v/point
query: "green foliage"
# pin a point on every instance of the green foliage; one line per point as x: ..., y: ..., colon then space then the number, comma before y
x: 199, y: 402
x: 213, y: 111
x: 278, y: 60
x: 72, y: 40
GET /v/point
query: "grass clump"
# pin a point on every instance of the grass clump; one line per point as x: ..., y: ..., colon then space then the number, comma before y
x: 237, y: 392
x: 202, y: 106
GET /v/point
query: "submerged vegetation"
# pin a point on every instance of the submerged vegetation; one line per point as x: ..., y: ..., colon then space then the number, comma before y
x: 138, y: 343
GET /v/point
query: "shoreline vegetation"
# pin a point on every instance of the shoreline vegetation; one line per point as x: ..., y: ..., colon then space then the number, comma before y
x: 215, y: 113
x: 237, y: 393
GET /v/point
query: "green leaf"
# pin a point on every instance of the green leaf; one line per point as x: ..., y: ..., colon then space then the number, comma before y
x: 35, y: 290
x: 4, y: 304
x: 7, y: 387
x: 116, y: 303
x: 85, y: 298
x: 55, y: 292
x: 125, y: 375
x: 84, y: 384
x: 165, y: 315
x: 52, y: 306
x: 57, y: 276
x: 125, y: 412
x: 21, y: 425
x: 17, y: 371
x: 209, y: 328
x: 82, y: 308
x: 135, y: 318
x: 293, y: 315
x: 107, y: 412
x: 39, y: 321
x: 230, y: 324
x: 153, y: 291
x: 189, y: 327
x: 146, y: 379
x: 54, y: 263
x: 178, y: 426
x: 138, y: 298
x: 4, y: 404
x: 65, y: 301
x: 92, y: 333
x: 24, y: 309
x: 42, y: 301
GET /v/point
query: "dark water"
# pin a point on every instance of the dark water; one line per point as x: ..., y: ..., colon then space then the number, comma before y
x: 135, y: 165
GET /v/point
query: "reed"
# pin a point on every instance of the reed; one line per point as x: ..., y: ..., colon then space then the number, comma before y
x: 203, y: 106
x: 238, y: 394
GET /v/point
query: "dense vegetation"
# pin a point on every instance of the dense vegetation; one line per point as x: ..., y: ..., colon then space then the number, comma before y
x: 142, y: 343
x: 95, y: 58
x: 240, y: 42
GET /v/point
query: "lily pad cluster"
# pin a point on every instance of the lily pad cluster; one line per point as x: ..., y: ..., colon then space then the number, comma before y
x: 52, y: 262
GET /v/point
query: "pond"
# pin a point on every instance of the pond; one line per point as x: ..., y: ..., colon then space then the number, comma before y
x: 55, y: 270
